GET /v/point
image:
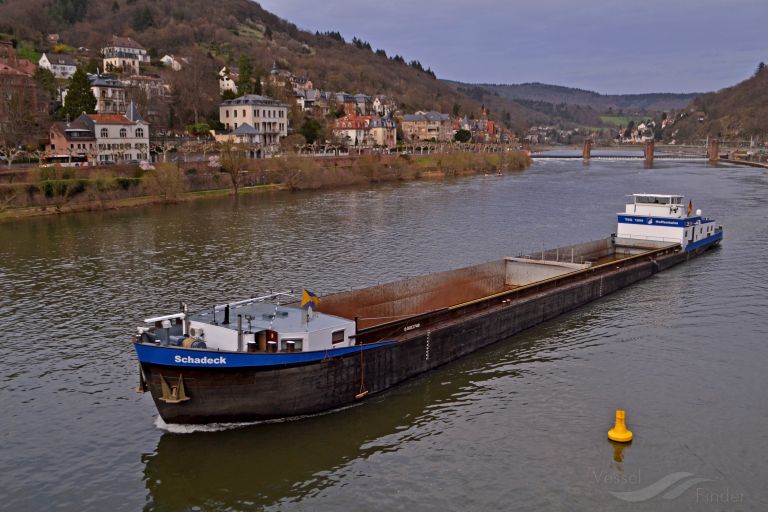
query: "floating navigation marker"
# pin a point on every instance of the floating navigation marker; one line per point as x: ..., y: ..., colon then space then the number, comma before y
x: 619, y: 432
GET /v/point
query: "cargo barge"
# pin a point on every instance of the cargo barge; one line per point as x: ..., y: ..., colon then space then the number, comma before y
x: 281, y: 356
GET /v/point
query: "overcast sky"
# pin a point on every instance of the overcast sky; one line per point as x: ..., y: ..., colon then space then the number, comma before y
x: 610, y: 46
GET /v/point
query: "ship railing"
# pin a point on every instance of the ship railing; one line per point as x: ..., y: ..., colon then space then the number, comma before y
x: 181, y: 316
x: 262, y: 298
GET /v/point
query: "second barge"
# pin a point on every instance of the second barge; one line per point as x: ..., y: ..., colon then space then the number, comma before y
x: 276, y: 357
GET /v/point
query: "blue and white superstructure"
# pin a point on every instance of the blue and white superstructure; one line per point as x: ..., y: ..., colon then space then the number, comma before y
x: 666, y: 218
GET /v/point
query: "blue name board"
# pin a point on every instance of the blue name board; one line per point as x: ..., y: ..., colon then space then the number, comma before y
x: 657, y: 221
x: 182, y: 357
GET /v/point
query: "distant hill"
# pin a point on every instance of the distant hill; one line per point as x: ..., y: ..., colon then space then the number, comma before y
x: 738, y: 112
x: 536, y: 112
x: 603, y: 103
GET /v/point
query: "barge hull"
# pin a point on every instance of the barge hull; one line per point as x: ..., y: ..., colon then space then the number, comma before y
x: 224, y: 395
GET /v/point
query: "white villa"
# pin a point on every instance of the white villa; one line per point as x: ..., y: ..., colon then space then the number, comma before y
x: 60, y: 64
x: 267, y: 118
x: 125, y: 55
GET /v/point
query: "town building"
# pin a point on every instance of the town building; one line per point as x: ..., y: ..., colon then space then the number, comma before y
x: 228, y: 78
x: 151, y: 86
x: 321, y: 102
x: 427, y: 126
x: 124, y: 55
x: 268, y: 118
x: 383, y: 106
x: 75, y: 139
x: 300, y: 83
x: 102, y: 137
x: 171, y: 62
x: 61, y: 65
x: 364, y: 104
x: 483, y: 129
x: 346, y: 103
x: 109, y: 93
x: 355, y: 130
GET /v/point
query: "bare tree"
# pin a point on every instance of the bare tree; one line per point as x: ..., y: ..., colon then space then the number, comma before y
x: 195, y: 88
x: 233, y: 159
x: 18, y: 125
x: 163, y: 147
x: 9, y: 152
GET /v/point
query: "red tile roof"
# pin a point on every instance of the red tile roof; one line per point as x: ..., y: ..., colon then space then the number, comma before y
x: 22, y: 65
x: 109, y: 119
x: 5, y: 69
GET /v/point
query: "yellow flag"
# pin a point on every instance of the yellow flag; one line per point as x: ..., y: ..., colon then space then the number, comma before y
x: 309, y: 299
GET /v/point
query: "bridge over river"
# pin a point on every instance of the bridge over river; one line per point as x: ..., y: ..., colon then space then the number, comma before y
x: 710, y: 152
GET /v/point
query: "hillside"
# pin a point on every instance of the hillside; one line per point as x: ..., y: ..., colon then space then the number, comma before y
x: 735, y: 113
x: 217, y: 33
x: 603, y: 103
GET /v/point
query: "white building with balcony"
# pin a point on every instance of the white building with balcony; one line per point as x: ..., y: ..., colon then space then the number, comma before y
x: 109, y: 93
x: 125, y: 55
x: 267, y: 117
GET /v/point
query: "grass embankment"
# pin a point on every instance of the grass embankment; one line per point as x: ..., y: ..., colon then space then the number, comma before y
x: 62, y: 190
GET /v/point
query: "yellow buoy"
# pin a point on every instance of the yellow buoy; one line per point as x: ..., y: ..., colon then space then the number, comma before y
x: 619, y: 432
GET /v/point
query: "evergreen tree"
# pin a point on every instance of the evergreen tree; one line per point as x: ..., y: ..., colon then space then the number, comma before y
x: 46, y: 80
x: 312, y: 130
x: 68, y: 12
x: 257, y: 84
x: 79, y: 97
x: 92, y: 66
x: 142, y: 20
x: 245, y: 81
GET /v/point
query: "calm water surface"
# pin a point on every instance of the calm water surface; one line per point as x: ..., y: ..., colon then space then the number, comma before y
x: 519, y: 426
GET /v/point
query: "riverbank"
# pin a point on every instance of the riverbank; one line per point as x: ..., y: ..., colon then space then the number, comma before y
x: 55, y: 191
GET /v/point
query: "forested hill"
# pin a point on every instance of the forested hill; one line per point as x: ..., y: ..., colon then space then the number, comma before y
x: 221, y: 31
x: 738, y: 112
x: 555, y: 94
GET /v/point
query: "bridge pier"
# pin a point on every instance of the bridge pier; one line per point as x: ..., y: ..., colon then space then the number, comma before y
x: 649, y: 147
x: 586, y: 153
x: 713, y: 150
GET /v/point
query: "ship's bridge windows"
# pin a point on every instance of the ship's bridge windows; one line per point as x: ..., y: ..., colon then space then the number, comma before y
x: 659, y: 200
x: 291, y: 344
x: 337, y: 337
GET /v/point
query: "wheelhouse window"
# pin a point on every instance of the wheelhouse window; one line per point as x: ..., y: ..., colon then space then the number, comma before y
x: 337, y: 337
x: 291, y: 344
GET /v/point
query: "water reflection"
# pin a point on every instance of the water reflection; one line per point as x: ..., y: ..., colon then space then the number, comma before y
x: 262, y: 464
x: 618, y: 450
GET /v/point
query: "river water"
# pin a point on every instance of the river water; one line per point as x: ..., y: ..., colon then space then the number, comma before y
x: 519, y: 426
